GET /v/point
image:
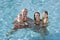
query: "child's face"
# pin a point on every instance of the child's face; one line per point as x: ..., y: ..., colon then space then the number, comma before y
x: 20, y: 17
x: 45, y: 15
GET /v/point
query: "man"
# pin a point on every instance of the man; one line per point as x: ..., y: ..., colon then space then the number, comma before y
x: 24, y: 14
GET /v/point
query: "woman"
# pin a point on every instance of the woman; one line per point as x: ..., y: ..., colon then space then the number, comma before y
x: 45, y: 18
x: 37, y: 18
x: 37, y: 22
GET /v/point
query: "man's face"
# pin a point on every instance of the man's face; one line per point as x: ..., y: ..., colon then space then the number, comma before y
x: 24, y: 12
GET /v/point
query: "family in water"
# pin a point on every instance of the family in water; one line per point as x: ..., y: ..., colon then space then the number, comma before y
x: 22, y: 21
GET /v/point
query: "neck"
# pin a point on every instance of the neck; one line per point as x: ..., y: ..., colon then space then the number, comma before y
x: 37, y: 19
x: 25, y: 18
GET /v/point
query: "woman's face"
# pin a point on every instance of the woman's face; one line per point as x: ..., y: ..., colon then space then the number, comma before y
x: 37, y: 16
x: 45, y: 15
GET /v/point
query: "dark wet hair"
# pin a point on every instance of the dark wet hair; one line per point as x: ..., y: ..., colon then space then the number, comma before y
x: 46, y: 12
x: 34, y: 15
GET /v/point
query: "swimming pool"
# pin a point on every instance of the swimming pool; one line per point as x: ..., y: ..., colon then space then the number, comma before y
x: 10, y: 8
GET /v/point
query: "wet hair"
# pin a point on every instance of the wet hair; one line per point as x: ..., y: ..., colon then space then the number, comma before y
x: 46, y: 12
x: 24, y: 9
x: 19, y: 14
x: 34, y: 15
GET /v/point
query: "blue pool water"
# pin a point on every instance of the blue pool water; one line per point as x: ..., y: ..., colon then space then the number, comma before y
x: 9, y: 9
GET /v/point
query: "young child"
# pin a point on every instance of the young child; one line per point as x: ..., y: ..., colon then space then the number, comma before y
x: 45, y: 18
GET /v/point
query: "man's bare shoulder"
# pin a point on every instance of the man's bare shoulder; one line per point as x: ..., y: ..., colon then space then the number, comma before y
x: 29, y: 18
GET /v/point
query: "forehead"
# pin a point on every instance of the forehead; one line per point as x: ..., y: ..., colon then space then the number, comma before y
x: 36, y: 14
x: 24, y: 10
x: 44, y: 13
